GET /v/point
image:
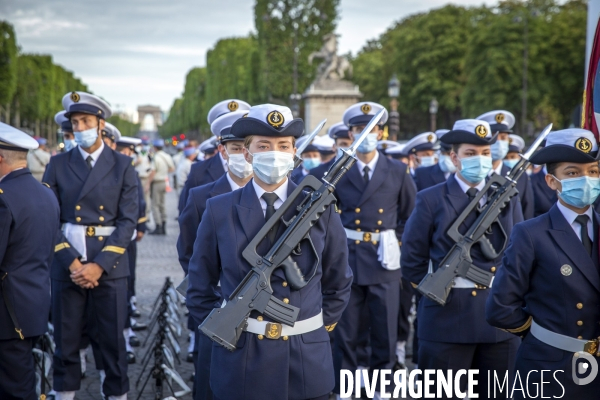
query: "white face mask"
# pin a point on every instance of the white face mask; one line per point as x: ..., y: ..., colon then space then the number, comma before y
x: 239, y: 166
x: 272, y: 167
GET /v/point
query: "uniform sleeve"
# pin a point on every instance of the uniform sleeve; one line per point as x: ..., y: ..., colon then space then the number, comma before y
x: 504, y: 306
x: 185, y: 193
x: 189, y: 220
x: 127, y: 217
x: 63, y: 251
x: 527, y: 200
x: 5, y: 222
x: 142, y: 218
x: 406, y: 202
x: 517, y: 210
x: 336, y: 281
x: 204, y: 270
x: 416, y: 240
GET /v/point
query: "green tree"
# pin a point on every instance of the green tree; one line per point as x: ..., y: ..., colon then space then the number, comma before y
x: 283, y: 28
x: 8, y: 67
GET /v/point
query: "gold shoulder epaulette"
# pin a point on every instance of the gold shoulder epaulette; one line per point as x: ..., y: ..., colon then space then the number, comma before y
x: 45, y: 184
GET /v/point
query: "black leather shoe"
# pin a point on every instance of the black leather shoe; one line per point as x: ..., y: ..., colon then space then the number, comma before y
x: 189, y: 358
x: 135, y: 314
x: 134, y: 341
x: 139, y: 326
x: 130, y: 358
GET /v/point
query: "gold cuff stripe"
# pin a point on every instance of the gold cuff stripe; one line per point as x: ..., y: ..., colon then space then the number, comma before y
x: 114, y: 249
x: 414, y: 285
x: 523, y: 327
x: 143, y: 219
x: 331, y: 327
x: 61, y: 246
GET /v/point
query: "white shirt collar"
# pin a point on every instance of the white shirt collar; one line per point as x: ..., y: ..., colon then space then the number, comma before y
x: 497, y: 170
x: 95, y: 155
x: 570, y: 216
x: 361, y: 165
x: 223, y: 162
x: 234, y: 186
x: 466, y: 187
x: 281, y: 192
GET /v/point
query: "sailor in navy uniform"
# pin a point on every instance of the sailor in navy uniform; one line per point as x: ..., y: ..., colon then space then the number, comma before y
x: 97, y: 191
x: 127, y: 146
x: 502, y: 122
x: 375, y: 198
x: 340, y: 134
x: 456, y: 336
x: 110, y: 135
x: 299, y: 362
x: 397, y: 153
x: 326, y: 146
x: 311, y: 158
x: 213, y: 168
x: 548, y: 287
x: 29, y: 216
x: 66, y: 130
x: 238, y: 175
x: 432, y: 175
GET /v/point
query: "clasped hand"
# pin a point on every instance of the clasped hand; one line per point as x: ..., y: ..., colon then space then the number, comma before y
x: 85, y: 275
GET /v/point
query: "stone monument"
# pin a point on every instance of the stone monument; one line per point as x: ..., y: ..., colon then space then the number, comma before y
x: 329, y: 95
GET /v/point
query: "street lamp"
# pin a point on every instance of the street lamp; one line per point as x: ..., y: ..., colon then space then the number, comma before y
x: 394, y: 120
x: 433, y: 109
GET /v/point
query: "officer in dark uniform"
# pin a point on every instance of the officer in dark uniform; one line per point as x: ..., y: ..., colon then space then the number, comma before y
x: 456, y: 336
x: 29, y: 216
x: 375, y: 198
x: 311, y: 158
x: 340, y: 134
x: 548, y: 287
x: 97, y: 191
x: 212, y: 169
x: 422, y: 150
x: 66, y: 130
x: 325, y: 145
x: 298, y: 365
x: 432, y: 175
x: 502, y: 122
x: 397, y: 153
x: 238, y: 175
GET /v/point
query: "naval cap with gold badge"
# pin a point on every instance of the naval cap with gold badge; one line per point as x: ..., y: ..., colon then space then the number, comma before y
x: 443, y: 146
x: 221, y: 127
x: 421, y: 142
x: 112, y: 132
x: 16, y: 140
x: 130, y: 142
x: 85, y: 103
x: 268, y: 120
x: 568, y: 145
x: 63, y: 122
x: 226, y: 107
x: 338, y: 131
x: 471, y: 131
x: 516, y: 144
x: 499, y: 120
x: 208, y: 146
x: 324, y: 144
x: 361, y: 113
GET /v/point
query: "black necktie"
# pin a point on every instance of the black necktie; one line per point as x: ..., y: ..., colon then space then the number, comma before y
x: 89, y: 160
x: 270, y: 199
x: 585, y: 237
x: 366, y: 170
x: 472, y: 192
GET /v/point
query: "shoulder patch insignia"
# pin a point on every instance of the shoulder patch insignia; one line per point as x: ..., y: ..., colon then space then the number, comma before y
x: 45, y: 184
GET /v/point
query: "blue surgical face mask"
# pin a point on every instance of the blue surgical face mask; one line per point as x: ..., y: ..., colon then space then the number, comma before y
x: 499, y: 149
x: 511, y: 163
x: 69, y: 144
x: 427, y: 161
x: 579, y: 192
x: 446, y: 164
x: 369, y: 144
x: 310, y: 163
x: 475, y: 169
x: 87, y: 138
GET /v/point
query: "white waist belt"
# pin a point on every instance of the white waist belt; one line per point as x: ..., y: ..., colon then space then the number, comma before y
x: 464, y: 283
x: 96, y: 230
x: 563, y: 342
x: 364, y: 236
x: 274, y: 330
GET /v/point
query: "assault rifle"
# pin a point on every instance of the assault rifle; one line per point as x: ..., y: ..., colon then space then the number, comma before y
x: 458, y: 262
x: 225, y: 325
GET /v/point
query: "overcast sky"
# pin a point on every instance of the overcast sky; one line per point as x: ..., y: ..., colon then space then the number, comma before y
x: 135, y: 52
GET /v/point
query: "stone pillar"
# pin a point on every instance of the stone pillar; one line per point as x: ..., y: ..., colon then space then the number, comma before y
x: 328, y: 99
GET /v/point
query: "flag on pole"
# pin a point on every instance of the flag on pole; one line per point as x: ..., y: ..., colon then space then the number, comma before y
x: 590, y: 112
